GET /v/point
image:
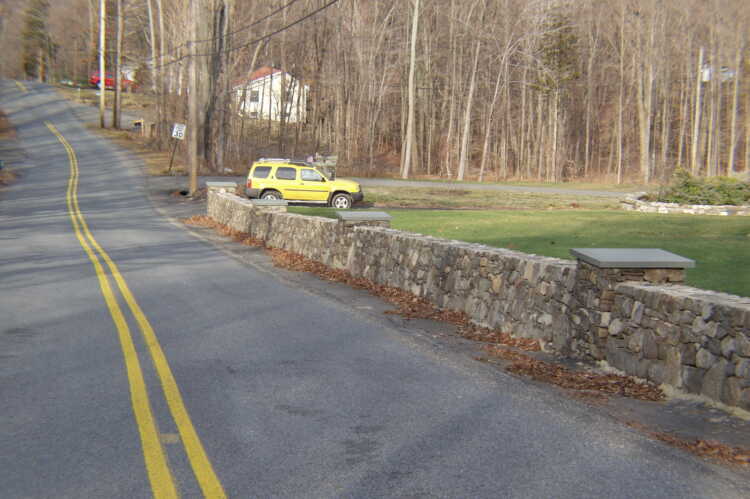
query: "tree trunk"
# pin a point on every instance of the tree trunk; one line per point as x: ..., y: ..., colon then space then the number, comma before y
x: 695, y: 142
x: 735, y: 110
x: 465, y: 142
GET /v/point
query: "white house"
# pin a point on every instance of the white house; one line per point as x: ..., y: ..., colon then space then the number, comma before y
x: 270, y: 92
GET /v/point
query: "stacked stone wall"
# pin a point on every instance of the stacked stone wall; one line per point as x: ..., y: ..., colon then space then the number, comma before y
x: 692, y: 339
x: 689, y: 338
x: 633, y: 203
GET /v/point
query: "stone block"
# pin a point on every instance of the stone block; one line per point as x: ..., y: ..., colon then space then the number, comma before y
x: 616, y: 327
x: 732, y: 392
x: 637, y: 313
x: 686, y: 318
x: 742, y: 343
x: 714, y: 380
x: 688, y: 353
x: 692, y: 379
x: 705, y: 359
x: 742, y: 369
x: 657, y: 372
x: 643, y: 367
x: 635, y: 342
x: 744, y: 400
x: 649, y: 347
x: 622, y: 359
x: 728, y: 347
x: 673, y: 367
x: 713, y: 345
x: 716, y: 330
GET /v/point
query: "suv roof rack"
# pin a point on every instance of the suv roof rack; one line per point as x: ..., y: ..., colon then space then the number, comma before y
x: 275, y: 160
x: 297, y: 162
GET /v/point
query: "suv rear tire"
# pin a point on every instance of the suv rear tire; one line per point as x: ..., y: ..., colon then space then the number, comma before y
x: 271, y: 194
x: 341, y: 201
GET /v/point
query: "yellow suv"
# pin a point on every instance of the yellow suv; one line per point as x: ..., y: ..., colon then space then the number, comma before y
x: 271, y: 178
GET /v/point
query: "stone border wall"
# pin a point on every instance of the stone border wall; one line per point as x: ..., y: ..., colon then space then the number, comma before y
x: 633, y: 203
x: 655, y: 331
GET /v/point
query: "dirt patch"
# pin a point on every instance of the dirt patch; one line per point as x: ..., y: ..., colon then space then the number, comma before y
x: 7, y: 132
x: 7, y: 177
x: 448, y: 192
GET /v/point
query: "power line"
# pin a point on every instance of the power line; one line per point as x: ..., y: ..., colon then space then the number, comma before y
x: 244, y: 28
x: 261, y: 39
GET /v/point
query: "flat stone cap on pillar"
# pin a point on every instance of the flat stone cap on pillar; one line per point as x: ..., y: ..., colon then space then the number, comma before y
x: 356, y: 217
x: 218, y: 186
x: 268, y: 203
x: 632, y: 258
x: 363, y: 216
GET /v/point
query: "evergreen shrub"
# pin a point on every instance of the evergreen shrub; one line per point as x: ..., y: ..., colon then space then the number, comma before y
x: 687, y: 189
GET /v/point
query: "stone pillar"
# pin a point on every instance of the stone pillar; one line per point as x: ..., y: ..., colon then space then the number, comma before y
x: 599, y: 271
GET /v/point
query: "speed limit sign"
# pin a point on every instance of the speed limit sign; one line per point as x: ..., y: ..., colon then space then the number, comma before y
x: 178, y: 131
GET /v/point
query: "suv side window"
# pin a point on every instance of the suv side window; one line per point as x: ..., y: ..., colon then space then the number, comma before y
x: 285, y: 173
x: 261, y: 171
x: 310, y: 175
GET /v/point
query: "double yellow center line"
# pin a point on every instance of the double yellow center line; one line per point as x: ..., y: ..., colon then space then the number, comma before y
x: 157, y: 466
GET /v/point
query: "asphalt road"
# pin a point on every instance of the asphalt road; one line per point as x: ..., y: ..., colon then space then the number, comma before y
x: 290, y: 392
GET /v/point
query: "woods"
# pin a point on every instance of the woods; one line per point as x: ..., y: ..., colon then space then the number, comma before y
x: 544, y: 90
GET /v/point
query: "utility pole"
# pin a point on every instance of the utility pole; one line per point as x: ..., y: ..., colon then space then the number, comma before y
x: 116, y: 108
x: 407, y: 155
x: 193, y: 96
x: 102, y: 73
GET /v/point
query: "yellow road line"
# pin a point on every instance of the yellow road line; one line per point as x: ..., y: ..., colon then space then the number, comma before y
x: 160, y: 476
x: 204, y: 472
x: 21, y: 86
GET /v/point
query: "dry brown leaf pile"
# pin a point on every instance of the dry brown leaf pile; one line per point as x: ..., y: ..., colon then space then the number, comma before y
x: 704, y: 448
x: 558, y: 375
x: 486, y: 335
x: 224, y: 230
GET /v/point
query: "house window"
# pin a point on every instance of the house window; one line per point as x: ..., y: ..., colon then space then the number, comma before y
x: 254, y: 96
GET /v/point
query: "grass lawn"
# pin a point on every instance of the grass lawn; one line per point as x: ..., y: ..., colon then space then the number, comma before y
x: 719, y: 245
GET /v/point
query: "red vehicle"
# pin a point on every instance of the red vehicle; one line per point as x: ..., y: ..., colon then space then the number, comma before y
x: 109, y: 81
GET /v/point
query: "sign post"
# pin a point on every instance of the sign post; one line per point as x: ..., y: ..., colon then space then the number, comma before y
x: 178, y: 133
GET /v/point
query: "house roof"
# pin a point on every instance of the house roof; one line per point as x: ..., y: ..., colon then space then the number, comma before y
x: 258, y: 74
x: 262, y: 72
